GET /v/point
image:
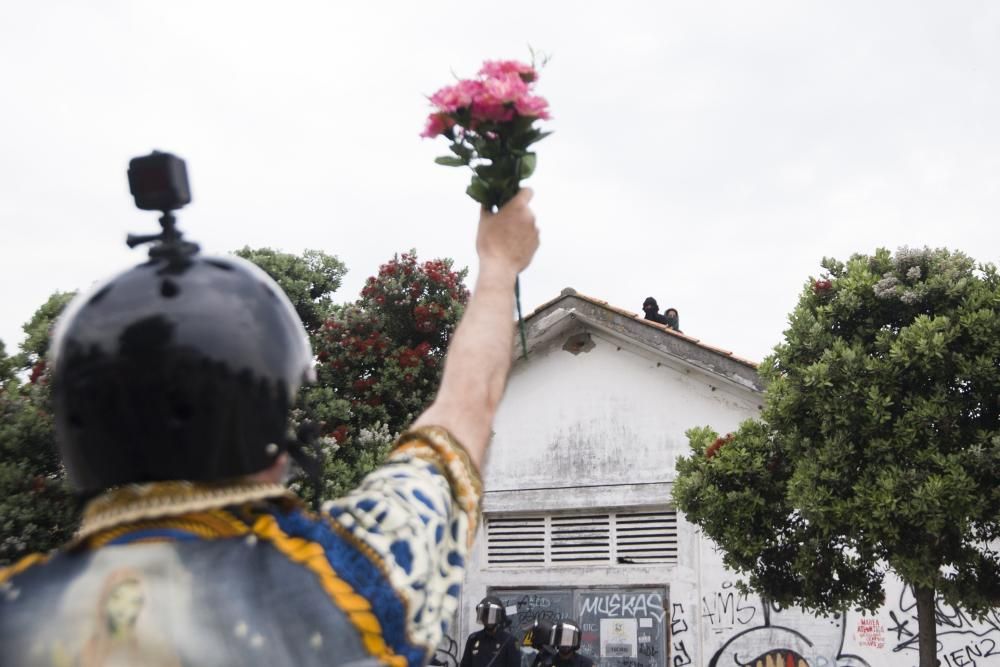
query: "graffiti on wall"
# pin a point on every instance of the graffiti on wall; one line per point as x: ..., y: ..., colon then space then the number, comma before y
x: 618, y: 628
x: 727, y: 609
x: 629, y: 605
x: 623, y: 628
x: 446, y: 653
x: 525, y: 607
x: 960, y: 641
x: 678, y: 634
x: 767, y: 635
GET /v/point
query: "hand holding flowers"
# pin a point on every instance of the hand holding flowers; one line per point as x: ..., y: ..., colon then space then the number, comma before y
x: 490, y: 121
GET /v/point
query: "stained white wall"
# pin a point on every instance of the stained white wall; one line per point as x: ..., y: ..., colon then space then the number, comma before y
x: 606, y: 416
x: 601, y: 430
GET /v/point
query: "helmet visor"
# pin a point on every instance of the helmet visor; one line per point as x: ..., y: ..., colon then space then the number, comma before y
x: 566, y: 635
x: 489, y: 613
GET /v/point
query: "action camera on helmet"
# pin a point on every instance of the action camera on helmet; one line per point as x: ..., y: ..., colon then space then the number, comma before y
x: 159, y: 182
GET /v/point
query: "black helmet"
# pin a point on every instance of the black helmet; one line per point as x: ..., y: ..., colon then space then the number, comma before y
x: 539, y: 636
x: 181, y: 368
x: 490, y: 612
x: 565, y: 634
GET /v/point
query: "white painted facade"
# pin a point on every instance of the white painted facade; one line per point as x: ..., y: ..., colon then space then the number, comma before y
x: 594, y: 420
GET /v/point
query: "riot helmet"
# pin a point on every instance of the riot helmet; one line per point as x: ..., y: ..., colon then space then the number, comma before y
x: 539, y: 636
x: 181, y: 368
x: 490, y: 612
x: 565, y: 636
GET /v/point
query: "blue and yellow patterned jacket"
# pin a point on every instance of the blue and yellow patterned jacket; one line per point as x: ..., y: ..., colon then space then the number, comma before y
x: 178, y: 573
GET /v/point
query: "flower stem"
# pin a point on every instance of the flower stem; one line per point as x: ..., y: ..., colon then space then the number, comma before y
x: 520, y: 319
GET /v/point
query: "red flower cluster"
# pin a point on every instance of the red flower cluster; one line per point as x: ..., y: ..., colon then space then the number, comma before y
x: 821, y: 286
x: 439, y: 272
x: 425, y: 317
x: 363, y: 384
x: 718, y: 444
x: 402, y: 277
x: 412, y: 357
x: 363, y: 345
x: 340, y: 434
x: 37, y: 371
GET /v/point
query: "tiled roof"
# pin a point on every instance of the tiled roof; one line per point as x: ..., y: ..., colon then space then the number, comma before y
x: 659, y: 336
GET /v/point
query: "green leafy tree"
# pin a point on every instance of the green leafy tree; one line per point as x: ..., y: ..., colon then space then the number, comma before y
x: 309, y: 279
x: 38, y: 332
x: 37, y: 510
x: 878, y: 449
x: 7, y: 366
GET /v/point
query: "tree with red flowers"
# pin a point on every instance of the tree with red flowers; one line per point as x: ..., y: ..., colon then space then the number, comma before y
x: 878, y: 447
x: 382, y: 355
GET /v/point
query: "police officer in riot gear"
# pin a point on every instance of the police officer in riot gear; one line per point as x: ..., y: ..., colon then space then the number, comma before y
x: 538, y: 638
x: 566, y: 641
x: 172, y: 383
x: 492, y: 646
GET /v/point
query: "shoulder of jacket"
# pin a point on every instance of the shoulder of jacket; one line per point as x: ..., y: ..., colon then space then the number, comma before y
x: 22, y: 565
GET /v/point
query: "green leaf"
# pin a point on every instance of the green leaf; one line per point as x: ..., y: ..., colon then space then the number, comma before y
x: 479, y: 190
x: 526, y: 167
x: 462, y: 151
x: 450, y: 161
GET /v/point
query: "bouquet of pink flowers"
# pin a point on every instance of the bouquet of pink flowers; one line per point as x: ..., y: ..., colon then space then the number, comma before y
x: 490, y: 122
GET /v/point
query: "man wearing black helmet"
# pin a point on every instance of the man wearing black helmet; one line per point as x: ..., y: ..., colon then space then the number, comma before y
x: 652, y: 311
x: 492, y: 646
x: 538, y: 638
x: 566, y: 641
x: 171, y: 384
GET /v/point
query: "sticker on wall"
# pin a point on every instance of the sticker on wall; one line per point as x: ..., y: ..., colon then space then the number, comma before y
x: 619, y: 638
x: 870, y: 633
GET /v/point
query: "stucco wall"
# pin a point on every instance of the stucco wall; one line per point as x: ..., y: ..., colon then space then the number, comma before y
x: 601, y: 429
x: 612, y: 415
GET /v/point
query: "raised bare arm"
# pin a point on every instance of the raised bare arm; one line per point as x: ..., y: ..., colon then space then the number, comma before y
x: 479, y: 357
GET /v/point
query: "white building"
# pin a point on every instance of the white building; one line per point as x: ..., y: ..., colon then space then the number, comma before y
x: 578, y: 521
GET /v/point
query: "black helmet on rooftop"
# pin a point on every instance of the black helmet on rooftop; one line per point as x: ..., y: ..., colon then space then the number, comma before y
x: 181, y: 368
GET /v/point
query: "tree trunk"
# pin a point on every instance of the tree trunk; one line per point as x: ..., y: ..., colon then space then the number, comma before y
x: 927, y: 624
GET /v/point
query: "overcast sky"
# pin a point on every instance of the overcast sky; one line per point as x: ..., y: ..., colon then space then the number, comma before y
x: 705, y: 153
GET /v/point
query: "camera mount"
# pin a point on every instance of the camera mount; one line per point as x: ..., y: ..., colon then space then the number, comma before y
x: 159, y: 182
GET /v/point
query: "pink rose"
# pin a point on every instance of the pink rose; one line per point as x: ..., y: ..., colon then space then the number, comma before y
x: 508, y: 88
x: 437, y: 123
x: 491, y: 112
x: 533, y: 105
x: 452, y: 98
x: 501, y: 68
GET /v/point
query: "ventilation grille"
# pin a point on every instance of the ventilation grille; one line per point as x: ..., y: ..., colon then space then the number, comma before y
x: 582, y: 539
x: 516, y: 541
x: 646, y: 537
